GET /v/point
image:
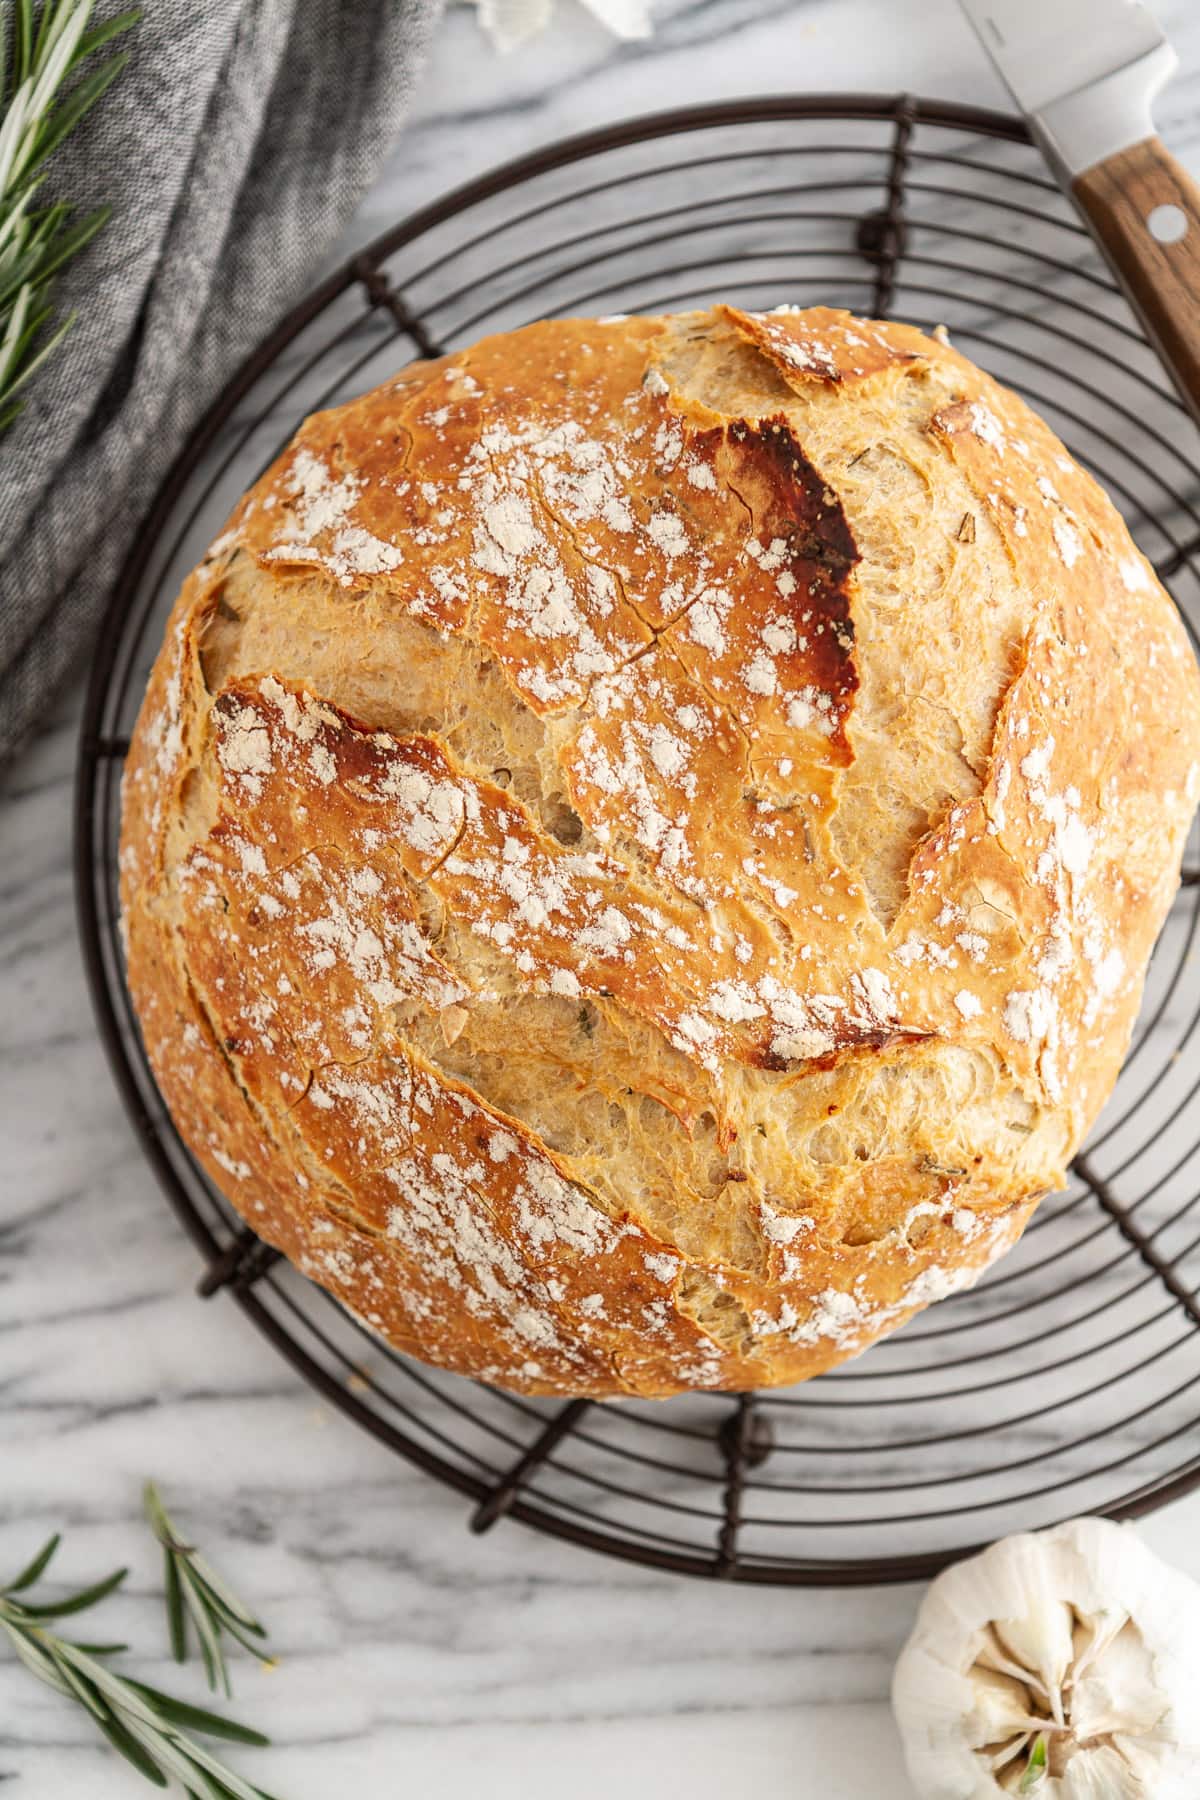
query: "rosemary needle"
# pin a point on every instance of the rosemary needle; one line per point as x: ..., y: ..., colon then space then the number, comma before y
x: 196, y: 1593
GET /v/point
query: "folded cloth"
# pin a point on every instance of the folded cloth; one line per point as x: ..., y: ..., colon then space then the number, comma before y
x: 232, y: 150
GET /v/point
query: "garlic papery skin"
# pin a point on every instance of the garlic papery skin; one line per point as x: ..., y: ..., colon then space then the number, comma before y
x: 1078, y: 1639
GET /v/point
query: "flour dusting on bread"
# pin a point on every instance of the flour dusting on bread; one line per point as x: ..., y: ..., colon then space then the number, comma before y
x: 643, y: 842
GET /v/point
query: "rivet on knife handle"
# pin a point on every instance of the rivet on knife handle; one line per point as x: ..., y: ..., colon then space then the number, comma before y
x: 1145, y: 210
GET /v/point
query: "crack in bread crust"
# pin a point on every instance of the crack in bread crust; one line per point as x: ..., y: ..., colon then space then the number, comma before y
x: 619, y: 887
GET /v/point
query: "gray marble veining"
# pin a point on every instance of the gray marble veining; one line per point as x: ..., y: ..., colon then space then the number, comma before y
x: 411, y: 1656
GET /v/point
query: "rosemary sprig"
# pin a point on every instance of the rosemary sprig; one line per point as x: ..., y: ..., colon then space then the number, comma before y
x: 149, y: 1728
x: 37, y: 59
x: 195, y: 1591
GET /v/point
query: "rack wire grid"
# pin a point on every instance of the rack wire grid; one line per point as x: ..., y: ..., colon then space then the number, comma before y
x: 1068, y: 1381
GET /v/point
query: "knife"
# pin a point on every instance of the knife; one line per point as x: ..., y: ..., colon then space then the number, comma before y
x: 1085, y: 73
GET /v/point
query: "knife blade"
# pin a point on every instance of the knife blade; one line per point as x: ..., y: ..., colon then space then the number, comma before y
x: 1084, y: 72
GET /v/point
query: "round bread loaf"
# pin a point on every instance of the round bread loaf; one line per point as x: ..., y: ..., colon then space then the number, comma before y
x: 644, y: 838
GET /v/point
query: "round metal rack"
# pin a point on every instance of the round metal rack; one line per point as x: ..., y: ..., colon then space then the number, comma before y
x: 1069, y: 1380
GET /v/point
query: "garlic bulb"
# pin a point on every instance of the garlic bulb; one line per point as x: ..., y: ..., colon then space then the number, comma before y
x: 1065, y: 1666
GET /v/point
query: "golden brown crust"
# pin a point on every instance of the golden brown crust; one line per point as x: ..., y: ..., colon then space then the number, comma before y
x: 643, y: 841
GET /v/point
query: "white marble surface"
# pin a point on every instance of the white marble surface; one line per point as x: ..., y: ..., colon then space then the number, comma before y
x: 412, y: 1658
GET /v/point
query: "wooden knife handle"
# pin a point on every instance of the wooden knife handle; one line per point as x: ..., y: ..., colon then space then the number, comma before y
x: 1145, y: 210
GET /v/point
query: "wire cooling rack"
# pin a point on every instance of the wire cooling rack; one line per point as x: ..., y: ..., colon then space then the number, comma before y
x: 1069, y: 1380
